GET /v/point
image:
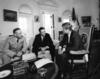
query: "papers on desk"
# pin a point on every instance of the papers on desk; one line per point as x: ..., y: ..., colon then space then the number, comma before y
x: 28, y: 56
x: 5, y: 73
x: 42, y: 62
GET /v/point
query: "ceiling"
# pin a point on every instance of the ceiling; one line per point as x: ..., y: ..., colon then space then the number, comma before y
x: 62, y: 2
x: 47, y: 2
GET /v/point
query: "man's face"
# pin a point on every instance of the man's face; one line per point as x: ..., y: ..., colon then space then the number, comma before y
x: 42, y: 32
x: 66, y: 29
x: 18, y: 33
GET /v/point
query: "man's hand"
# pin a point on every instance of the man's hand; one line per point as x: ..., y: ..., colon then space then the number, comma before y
x: 63, y: 50
x: 44, y: 48
x: 19, y: 53
x: 60, y: 50
x: 10, y: 53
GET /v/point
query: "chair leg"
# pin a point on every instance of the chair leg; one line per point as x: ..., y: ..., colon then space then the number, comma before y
x: 87, y: 70
x: 56, y: 72
x: 71, y: 71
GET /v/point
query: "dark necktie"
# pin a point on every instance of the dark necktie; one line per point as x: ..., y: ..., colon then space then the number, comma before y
x: 66, y: 38
x: 17, y: 40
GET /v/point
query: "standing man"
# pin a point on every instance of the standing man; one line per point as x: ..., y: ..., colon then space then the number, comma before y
x: 43, y: 42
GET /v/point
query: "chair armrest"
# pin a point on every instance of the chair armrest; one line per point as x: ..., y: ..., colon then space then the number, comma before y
x: 80, y: 52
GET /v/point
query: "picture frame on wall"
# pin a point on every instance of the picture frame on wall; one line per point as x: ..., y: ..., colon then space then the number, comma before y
x: 59, y: 19
x: 86, y: 21
x: 36, y: 18
x: 10, y: 15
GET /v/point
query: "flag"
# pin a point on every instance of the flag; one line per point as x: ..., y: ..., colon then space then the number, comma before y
x: 74, y: 18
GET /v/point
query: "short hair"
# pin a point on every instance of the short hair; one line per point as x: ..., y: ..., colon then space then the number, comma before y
x: 14, y: 30
x: 69, y: 26
x: 41, y: 28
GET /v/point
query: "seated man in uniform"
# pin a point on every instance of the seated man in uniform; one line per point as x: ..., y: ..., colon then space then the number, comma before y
x: 71, y: 41
x: 43, y: 44
x: 16, y: 44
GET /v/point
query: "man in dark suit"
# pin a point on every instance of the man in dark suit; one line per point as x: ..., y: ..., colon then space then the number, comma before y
x: 43, y: 41
x: 71, y: 41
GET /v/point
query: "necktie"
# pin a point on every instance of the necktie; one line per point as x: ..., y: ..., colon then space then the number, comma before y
x: 17, y: 40
x: 66, y: 38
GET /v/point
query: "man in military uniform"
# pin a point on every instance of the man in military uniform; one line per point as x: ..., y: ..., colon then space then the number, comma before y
x: 15, y: 44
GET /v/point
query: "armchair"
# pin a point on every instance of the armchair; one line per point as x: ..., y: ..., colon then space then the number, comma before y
x: 81, y: 64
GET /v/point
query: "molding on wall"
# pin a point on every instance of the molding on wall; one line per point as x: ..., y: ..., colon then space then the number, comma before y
x: 24, y: 8
x: 50, y: 3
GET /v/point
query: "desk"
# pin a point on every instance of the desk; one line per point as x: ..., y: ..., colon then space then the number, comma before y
x: 7, y: 67
x: 33, y: 74
x: 22, y: 70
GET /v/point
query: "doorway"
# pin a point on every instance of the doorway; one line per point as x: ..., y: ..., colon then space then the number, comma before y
x: 26, y: 25
x: 48, y: 23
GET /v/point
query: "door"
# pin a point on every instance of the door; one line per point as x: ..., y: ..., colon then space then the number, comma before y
x: 26, y: 25
x: 48, y: 23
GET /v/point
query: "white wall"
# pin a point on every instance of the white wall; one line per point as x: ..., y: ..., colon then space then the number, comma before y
x: 14, y: 5
x: 82, y: 8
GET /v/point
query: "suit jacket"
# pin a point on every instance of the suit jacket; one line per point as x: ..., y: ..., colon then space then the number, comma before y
x: 75, y: 42
x: 47, y: 41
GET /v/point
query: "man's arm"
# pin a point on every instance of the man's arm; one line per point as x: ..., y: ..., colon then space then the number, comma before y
x: 50, y: 42
x: 64, y: 41
x: 24, y: 45
x: 51, y: 47
x: 76, y: 43
x: 6, y: 48
x: 35, y: 45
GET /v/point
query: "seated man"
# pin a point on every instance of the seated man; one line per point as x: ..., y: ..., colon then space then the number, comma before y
x: 16, y: 44
x: 71, y: 41
x: 43, y: 44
